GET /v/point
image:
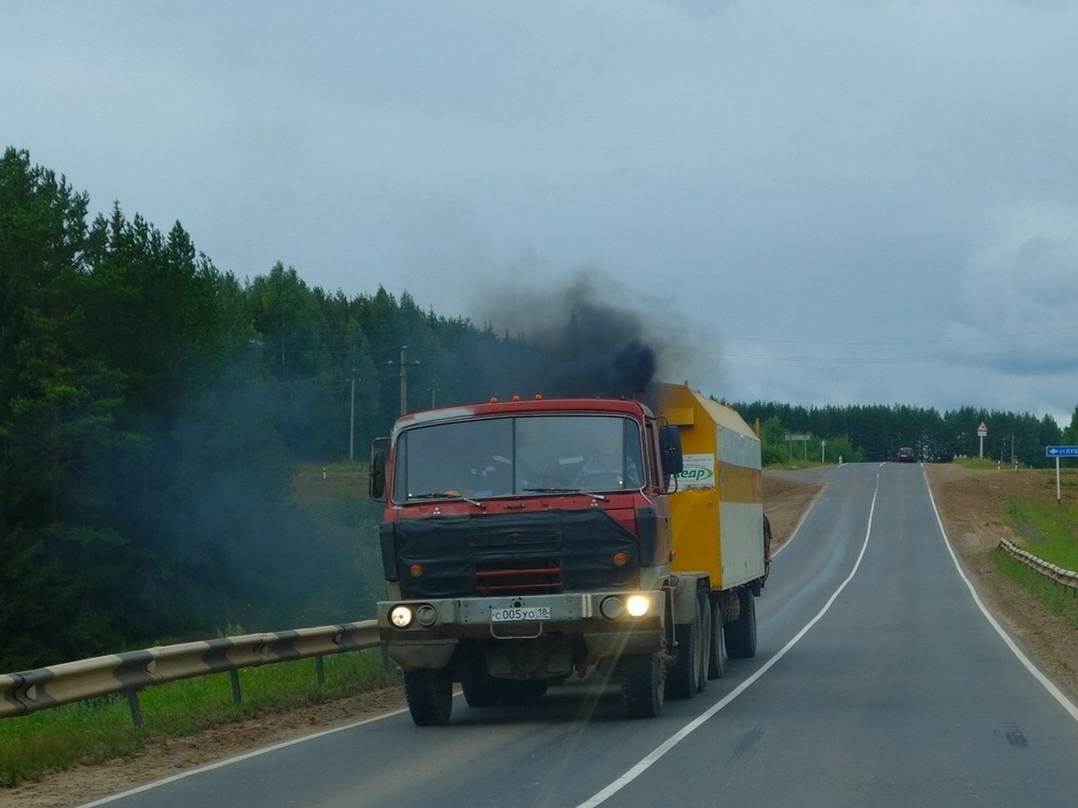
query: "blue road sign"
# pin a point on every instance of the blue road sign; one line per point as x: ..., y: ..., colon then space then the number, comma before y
x: 1061, y: 451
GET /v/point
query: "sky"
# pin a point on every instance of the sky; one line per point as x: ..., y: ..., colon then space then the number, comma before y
x: 827, y: 203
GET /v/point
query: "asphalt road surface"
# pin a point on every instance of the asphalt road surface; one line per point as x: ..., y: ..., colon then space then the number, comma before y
x: 879, y: 681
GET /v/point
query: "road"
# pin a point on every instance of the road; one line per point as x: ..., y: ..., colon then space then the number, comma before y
x: 879, y: 681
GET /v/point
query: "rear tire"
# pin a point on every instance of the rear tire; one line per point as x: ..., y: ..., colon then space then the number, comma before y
x: 706, y: 641
x: 716, y: 664
x: 430, y: 696
x: 519, y: 691
x: 642, y: 685
x: 741, y: 634
x: 480, y: 688
x: 767, y: 550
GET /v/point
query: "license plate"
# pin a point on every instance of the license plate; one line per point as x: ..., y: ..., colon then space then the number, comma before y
x: 520, y: 614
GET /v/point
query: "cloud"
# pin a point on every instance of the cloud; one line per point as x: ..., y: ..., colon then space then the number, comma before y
x: 1018, y: 291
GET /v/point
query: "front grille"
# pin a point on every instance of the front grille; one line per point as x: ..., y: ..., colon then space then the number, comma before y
x: 542, y: 553
x: 541, y: 576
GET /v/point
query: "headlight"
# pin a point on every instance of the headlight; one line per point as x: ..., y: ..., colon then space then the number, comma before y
x: 611, y: 608
x: 637, y: 605
x: 426, y: 615
x: 401, y: 616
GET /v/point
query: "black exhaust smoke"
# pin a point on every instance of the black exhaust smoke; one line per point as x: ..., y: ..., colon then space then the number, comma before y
x: 589, y: 338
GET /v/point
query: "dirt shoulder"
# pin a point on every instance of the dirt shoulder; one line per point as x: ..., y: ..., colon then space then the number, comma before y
x: 971, y: 506
x: 787, y: 498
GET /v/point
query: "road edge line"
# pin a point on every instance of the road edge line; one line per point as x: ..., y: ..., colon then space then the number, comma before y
x: 660, y: 751
x: 1064, y: 700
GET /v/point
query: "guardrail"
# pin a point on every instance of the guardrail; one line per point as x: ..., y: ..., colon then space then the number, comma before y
x: 128, y: 672
x: 1068, y: 578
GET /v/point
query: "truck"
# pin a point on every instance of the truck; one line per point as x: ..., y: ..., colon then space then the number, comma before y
x: 526, y: 541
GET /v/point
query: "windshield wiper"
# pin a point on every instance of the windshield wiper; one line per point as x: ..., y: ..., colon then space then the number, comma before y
x: 591, y: 494
x: 447, y: 495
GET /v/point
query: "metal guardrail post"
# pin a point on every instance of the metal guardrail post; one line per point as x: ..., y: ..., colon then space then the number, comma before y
x: 134, y: 706
x: 234, y: 678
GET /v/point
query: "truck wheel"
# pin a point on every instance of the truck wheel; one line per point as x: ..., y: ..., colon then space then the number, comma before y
x: 715, y: 667
x: 741, y: 634
x: 706, y: 641
x: 684, y: 678
x: 642, y: 685
x: 480, y: 688
x: 767, y: 549
x: 430, y: 696
x: 518, y: 691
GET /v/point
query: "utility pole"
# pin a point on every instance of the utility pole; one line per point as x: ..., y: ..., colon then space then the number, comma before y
x: 404, y: 378
x: 352, y: 421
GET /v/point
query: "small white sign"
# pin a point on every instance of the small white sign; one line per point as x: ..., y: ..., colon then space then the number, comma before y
x: 982, y: 430
x: 698, y: 472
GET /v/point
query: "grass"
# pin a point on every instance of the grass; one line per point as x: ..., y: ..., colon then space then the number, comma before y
x: 978, y: 463
x: 797, y: 464
x: 1056, y: 599
x: 319, y: 483
x: 102, y: 729
x: 1048, y: 530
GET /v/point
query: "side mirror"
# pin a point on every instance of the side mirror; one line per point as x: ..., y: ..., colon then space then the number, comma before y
x: 673, y: 462
x: 377, y: 482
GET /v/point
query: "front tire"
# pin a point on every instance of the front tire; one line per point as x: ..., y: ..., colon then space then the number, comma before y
x: 642, y: 685
x: 684, y: 678
x: 430, y: 696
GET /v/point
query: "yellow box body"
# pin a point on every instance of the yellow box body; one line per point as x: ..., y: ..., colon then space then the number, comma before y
x: 717, y: 512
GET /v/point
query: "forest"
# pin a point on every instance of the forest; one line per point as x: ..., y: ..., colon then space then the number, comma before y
x: 154, y: 411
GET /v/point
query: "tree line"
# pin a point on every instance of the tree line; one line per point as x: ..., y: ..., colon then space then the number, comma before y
x: 876, y: 432
x: 154, y: 410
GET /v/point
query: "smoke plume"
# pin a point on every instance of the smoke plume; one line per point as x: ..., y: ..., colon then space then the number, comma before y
x: 591, y: 336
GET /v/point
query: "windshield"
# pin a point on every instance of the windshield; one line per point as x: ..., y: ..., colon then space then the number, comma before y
x: 508, y: 456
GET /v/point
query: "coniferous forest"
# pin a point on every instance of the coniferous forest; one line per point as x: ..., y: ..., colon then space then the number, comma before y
x: 154, y: 411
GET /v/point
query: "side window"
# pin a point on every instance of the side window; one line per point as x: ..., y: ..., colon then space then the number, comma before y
x: 654, y: 477
x: 634, y: 462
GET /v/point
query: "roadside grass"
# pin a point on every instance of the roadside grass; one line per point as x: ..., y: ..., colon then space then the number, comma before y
x: 977, y: 463
x: 1055, y: 598
x: 1048, y: 530
x: 102, y: 729
x: 796, y: 465
x: 318, y: 483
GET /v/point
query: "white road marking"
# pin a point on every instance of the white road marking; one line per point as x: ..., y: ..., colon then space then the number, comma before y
x: 1055, y: 692
x: 222, y: 763
x: 660, y: 751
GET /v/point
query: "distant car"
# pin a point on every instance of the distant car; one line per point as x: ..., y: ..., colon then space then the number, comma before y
x: 905, y: 455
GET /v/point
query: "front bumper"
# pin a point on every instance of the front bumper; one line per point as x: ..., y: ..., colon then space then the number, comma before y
x: 593, y: 618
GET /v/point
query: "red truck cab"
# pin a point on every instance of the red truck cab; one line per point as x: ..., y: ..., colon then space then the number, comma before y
x: 522, y: 541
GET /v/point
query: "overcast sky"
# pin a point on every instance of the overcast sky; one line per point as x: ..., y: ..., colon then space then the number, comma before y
x: 859, y: 202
